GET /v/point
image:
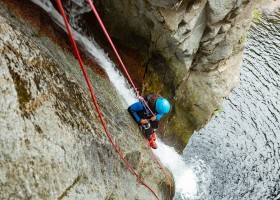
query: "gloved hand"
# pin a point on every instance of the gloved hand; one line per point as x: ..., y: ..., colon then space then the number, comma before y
x: 143, y: 121
x: 154, y: 118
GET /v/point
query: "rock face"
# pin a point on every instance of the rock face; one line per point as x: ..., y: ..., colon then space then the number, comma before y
x: 193, y: 51
x: 52, y: 144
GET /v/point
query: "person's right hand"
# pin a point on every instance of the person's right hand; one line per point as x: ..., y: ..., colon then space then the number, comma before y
x: 143, y: 121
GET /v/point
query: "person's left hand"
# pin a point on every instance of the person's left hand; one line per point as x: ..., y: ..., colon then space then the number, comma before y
x: 154, y: 118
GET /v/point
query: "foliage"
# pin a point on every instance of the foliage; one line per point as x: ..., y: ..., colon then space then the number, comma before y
x: 220, y: 110
x: 243, y: 38
x: 239, y: 46
x: 257, y: 15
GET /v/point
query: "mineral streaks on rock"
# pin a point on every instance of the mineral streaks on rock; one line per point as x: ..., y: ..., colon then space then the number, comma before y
x: 52, y: 144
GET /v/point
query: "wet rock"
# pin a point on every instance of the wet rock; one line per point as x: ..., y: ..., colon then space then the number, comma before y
x: 181, y: 37
x: 52, y: 143
x: 133, y: 158
x: 217, y: 9
x: 214, y: 87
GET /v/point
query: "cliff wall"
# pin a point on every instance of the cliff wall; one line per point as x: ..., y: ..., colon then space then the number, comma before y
x: 192, y: 50
x: 52, y: 143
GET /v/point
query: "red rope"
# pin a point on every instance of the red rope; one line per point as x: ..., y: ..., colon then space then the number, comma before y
x: 146, y: 105
x: 130, y: 80
x: 117, y: 54
x: 165, y: 173
x: 112, y: 45
x: 93, y: 96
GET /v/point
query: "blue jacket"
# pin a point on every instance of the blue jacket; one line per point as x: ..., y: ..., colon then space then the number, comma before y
x: 138, y: 110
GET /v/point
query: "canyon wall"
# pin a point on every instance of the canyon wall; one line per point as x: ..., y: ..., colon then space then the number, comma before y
x: 52, y: 143
x: 193, y: 53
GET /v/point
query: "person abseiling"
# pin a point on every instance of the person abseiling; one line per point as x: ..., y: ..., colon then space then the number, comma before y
x: 146, y: 120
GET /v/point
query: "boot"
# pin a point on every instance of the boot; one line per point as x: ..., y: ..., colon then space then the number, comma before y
x: 153, y: 144
x: 152, y: 140
x: 153, y: 137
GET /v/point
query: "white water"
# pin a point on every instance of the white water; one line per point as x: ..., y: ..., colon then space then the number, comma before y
x: 186, y: 176
x: 101, y: 58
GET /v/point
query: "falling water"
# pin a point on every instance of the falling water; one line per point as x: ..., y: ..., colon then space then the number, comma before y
x: 186, y: 176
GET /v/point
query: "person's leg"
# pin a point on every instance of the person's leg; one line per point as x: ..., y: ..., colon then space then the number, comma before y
x: 148, y: 129
x: 154, y: 125
x: 152, y: 136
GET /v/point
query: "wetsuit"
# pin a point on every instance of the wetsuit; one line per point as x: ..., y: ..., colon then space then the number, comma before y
x: 139, y: 111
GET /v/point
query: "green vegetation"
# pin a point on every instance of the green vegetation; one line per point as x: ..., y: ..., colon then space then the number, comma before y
x: 243, y: 38
x: 257, y: 15
x: 220, y: 110
x: 241, y: 43
x: 235, y: 49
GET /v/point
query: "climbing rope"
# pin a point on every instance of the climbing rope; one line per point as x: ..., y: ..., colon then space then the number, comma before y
x: 165, y: 173
x: 113, y: 46
x: 130, y: 80
x: 117, y: 54
x: 93, y: 96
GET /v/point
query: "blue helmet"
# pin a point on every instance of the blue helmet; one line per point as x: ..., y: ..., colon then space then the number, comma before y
x: 162, y: 105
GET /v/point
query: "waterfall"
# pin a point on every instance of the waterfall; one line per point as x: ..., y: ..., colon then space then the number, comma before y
x: 187, y: 175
